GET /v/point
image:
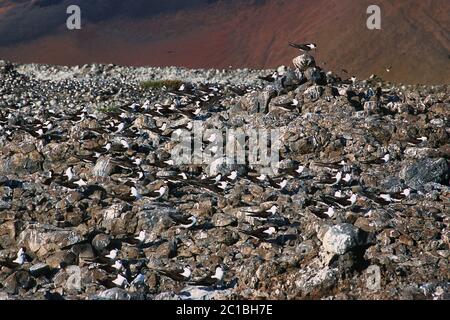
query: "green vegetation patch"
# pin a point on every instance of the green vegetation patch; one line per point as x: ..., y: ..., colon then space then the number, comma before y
x: 108, y: 108
x: 160, y: 84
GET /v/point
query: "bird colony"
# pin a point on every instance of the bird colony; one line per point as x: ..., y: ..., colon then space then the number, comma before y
x: 93, y: 205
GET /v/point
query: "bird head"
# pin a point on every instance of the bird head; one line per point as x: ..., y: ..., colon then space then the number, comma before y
x: 273, y: 209
x: 187, y: 271
x: 271, y: 230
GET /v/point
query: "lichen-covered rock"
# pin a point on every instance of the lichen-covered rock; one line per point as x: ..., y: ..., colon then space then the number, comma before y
x: 304, y: 62
x: 20, y: 163
x: 341, y: 238
x: 426, y: 170
x: 103, y: 167
x: 44, y: 239
x: 258, y: 102
x: 113, y: 294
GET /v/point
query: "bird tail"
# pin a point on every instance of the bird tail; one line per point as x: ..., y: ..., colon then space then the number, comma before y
x: 294, y: 45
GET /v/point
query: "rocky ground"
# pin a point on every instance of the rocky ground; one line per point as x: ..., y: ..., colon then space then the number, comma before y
x: 91, y: 207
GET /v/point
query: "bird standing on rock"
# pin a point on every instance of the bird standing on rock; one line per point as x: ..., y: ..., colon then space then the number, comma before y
x: 212, y: 279
x: 179, y: 275
x: 21, y: 259
x: 263, y: 233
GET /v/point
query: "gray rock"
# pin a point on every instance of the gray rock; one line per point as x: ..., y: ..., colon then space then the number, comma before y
x: 315, y: 76
x: 312, y: 280
x: 101, y: 241
x: 166, y: 296
x: 42, y: 239
x: 202, y: 293
x: 307, y: 258
x: 155, y: 219
x: 39, y: 269
x: 221, y: 165
x: 424, y: 171
x: 18, y: 280
x: 83, y: 251
x: 7, y: 233
x: 223, y: 220
x: 20, y: 163
x: 64, y: 258
x: 392, y: 185
x: 341, y: 238
x: 292, y: 79
x: 313, y: 93
x: 103, y: 167
x: 304, y: 62
x: 5, y: 205
x: 258, y: 102
x: 73, y: 282
x: 113, y: 294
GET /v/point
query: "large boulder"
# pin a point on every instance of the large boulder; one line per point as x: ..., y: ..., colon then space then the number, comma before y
x: 257, y: 102
x: 341, y: 238
x: 22, y: 163
x: 424, y: 171
x: 304, y: 62
x: 43, y: 239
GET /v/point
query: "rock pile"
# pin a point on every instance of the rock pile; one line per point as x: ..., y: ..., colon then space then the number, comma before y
x: 91, y: 205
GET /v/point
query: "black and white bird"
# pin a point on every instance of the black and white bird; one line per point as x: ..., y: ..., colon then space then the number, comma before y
x: 299, y: 172
x: 212, y: 279
x: 385, y: 199
x: 278, y: 182
x: 406, y: 193
x: 232, y: 176
x: 140, y: 239
x: 416, y: 141
x: 20, y: 260
x: 339, y: 201
x: 305, y: 47
x: 179, y: 275
x: 335, y: 166
x: 348, y: 180
x: 288, y: 106
x: 269, y: 78
x: 333, y: 180
x: 396, y: 197
x: 159, y: 193
x: 263, y: 233
x: 120, y: 281
x: 323, y: 212
x: 260, y: 213
x: 112, y: 254
x: 141, y: 236
x: 117, y: 267
x: 385, y: 159
x: 257, y: 178
x: 183, y: 221
x: 154, y: 195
